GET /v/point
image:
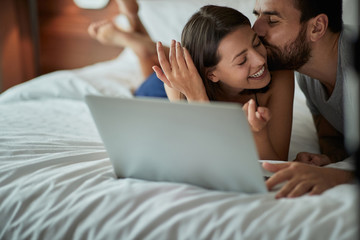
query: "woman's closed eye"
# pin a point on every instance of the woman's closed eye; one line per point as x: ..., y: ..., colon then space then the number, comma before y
x: 257, y: 43
x: 243, y: 62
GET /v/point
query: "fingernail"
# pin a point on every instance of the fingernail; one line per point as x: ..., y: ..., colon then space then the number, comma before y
x: 261, y: 110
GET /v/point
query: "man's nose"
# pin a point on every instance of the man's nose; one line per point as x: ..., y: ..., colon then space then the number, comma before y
x: 260, y: 27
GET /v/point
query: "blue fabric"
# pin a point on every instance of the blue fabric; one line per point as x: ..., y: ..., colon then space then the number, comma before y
x: 151, y: 87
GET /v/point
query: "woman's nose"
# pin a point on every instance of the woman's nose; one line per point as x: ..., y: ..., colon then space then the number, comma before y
x: 259, y: 58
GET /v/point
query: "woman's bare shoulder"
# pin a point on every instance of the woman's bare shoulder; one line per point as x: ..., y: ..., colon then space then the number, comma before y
x: 282, y: 77
x: 282, y: 84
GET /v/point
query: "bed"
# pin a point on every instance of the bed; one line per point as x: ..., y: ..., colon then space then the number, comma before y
x: 56, y: 180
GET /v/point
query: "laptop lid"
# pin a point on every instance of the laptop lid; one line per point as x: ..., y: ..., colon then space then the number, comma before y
x: 208, y: 145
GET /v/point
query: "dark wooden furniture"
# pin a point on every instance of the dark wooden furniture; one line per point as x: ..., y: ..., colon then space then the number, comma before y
x: 64, y: 40
x: 40, y: 36
x: 18, y: 61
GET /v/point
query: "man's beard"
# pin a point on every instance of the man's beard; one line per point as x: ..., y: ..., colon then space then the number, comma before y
x: 292, y: 56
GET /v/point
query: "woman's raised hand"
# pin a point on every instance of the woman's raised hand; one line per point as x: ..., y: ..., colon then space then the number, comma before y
x: 257, y: 118
x: 180, y: 72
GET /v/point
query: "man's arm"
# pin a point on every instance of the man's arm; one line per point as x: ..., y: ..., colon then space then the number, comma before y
x: 331, y: 141
x: 303, y: 179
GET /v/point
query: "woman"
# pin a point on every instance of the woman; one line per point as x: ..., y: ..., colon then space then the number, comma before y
x: 226, y: 61
x: 229, y: 65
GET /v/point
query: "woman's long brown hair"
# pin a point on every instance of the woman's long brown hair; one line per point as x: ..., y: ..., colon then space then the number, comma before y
x: 201, y: 36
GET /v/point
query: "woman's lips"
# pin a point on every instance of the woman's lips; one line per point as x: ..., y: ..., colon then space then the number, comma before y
x: 260, y: 74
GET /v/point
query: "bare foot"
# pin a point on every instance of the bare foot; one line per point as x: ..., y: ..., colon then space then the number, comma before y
x: 93, y: 28
x: 107, y: 33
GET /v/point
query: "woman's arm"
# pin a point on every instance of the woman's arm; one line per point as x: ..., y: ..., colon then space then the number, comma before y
x: 173, y: 94
x: 274, y: 140
x: 281, y: 107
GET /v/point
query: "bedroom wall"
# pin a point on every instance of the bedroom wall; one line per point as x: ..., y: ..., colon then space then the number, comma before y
x: 17, y: 55
x: 56, y: 39
x: 64, y: 40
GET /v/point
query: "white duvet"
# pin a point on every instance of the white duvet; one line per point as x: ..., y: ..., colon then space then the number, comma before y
x: 56, y: 180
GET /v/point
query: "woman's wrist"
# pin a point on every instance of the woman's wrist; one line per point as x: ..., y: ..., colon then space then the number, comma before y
x: 199, y: 96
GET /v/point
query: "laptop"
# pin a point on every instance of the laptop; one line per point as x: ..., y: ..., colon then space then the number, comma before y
x: 204, y: 144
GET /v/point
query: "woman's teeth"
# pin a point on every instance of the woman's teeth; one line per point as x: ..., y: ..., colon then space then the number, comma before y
x: 259, y: 73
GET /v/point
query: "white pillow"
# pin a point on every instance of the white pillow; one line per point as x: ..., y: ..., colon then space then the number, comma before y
x: 165, y: 19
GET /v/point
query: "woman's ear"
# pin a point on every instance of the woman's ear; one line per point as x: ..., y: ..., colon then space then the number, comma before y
x: 318, y: 27
x: 212, y: 76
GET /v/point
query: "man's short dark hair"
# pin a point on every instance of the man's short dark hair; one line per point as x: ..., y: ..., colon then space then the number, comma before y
x: 332, y: 8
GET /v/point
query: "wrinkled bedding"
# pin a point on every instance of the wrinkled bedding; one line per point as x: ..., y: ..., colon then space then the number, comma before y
x: 56, y: 180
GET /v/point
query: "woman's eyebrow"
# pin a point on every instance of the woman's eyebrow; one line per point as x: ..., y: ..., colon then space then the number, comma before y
x: 239, y: 54
x: 245, y: 50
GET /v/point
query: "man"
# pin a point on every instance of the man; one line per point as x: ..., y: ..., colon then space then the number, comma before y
x: 307, y: 36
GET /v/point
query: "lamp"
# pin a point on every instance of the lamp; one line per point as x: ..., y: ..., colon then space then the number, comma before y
x: 91, y: 4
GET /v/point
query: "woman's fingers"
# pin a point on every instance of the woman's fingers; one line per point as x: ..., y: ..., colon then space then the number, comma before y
x: 172, y: 55
x: 161, y: 76
x: 264, y: 113
x: 256, y: 116
x: 180, y: 57
x: 164, y: 63
x: 251, y: 110
x: 188, y: 60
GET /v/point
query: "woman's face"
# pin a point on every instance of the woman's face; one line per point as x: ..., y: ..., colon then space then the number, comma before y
x: 242, y: 62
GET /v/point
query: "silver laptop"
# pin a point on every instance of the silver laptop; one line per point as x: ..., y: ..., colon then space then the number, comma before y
x: 205, y: 144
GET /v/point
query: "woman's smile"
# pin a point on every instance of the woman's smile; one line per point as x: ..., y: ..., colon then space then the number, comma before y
x: 259, y: 73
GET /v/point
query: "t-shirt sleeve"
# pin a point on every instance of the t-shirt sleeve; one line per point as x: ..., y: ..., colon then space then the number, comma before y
x: 304, y: 86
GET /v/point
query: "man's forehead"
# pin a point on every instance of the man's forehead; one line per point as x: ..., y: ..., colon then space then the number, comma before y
x: 274, y: 7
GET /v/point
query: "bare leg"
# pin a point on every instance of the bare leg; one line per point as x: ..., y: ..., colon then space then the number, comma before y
x: 137, y: 39
x: 144, y: 49
x: 130, y: 9
x: 141, y: 45
x: 104, y: 32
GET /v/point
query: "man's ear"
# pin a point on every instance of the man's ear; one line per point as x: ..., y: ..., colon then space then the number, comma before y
x: 211, y: 75
x: 318, y: 27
